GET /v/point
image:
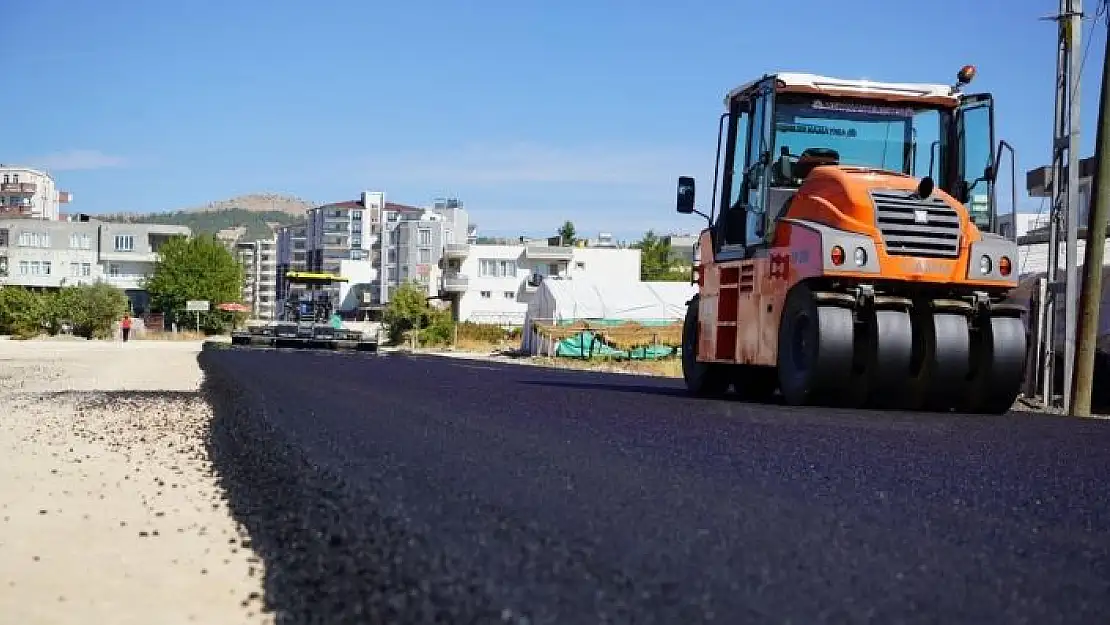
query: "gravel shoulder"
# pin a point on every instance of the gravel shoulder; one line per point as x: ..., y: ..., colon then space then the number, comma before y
x: 109, y: 509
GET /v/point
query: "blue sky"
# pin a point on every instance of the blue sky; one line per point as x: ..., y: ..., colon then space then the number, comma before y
x: 530, y: 112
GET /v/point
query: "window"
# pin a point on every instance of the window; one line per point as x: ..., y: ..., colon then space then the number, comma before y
x: 86, y: 269
x: 891, y: 137
x: 125, y: 243
x: 3, y: 237
x: 739, y: 158
x: 75, y: 269
x: 579, y: 265
x: 510, y: 295
x: 34, y: 239
x: 356, y: 215
x: 425, y: 237
x: 425, y: 256
x: 494, y: 268
x: 113, y: 270
x: 486, y: 294
x: 79, y: 241
x: 34, y: 268
x: 976, y: 151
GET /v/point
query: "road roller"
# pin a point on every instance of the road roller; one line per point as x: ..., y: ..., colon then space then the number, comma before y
x: 855, y: 255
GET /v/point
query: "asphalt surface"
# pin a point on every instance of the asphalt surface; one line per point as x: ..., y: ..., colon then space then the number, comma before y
x: 416, y: 489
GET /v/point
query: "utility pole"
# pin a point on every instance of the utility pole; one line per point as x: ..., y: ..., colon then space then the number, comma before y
x: 1065, y: 200
x: 1074, y: 20
x: 1093, y: 255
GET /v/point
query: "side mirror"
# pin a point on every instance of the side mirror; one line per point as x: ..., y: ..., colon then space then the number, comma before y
x: 685, y: 195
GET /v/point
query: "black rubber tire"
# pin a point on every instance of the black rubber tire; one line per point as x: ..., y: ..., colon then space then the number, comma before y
x: 998, y: 366
x: 703, y: 379
x: 889, y: 358
x: 941, y: 360
x: 816, y: 352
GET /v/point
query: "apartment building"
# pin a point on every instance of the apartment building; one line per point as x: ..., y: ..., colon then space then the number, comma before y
x: 292, y: 255
x: 260, y: 276
x: 417, y: 241
x: 376, y: 245
x: 26, y: 192
x: 494, y: 283
x: 52, y: 254
x: 682, y: 247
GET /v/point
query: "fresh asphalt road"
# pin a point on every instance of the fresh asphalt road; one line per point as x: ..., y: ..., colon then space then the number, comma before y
x: 550, y: 496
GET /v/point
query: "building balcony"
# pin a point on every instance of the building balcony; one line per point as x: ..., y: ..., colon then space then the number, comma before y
x: 548, y: 252
x: 126, y: 281
x: 19, y: 188
x: 16, y: 211
x: 454, y: 283
x: 456, y: 250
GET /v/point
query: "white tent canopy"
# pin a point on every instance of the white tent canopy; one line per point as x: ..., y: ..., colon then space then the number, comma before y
x: 569, y: 300
x: 572, y: 300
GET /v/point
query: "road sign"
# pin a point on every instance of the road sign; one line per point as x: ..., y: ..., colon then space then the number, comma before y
x: 199, y: 305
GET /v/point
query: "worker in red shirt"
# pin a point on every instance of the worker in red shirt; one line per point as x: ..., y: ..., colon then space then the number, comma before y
x: 125, y: 325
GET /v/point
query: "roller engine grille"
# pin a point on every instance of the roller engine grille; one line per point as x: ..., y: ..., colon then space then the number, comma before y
x: 911, y: 226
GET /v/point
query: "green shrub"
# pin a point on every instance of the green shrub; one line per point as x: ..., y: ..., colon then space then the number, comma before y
x: 91, y: 309
x: 21, y: 312
x: 439, y: 329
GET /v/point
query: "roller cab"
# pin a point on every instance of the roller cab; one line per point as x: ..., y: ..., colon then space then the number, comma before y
x: 855, y: 255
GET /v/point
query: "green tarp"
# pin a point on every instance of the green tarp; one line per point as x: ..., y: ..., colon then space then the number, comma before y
x: 586, y: 344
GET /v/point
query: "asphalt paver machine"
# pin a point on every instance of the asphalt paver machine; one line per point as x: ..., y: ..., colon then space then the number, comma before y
x: 307, y: 321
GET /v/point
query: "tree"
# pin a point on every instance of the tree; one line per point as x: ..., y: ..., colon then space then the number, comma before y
x: 196, y: 268
x: 656, y: 264
x: 92, y: 309
x: 567, y: 233
x: 408, y: 310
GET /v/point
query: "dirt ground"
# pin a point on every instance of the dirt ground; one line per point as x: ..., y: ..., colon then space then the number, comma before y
x: 109, y: 512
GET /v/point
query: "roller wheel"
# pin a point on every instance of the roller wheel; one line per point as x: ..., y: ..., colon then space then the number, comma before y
x: 998, y: 367
x: 890, y: 356
x: 816, y: 352
x: 756, y: 384
x: 942, y: 361
x: 702, y: 379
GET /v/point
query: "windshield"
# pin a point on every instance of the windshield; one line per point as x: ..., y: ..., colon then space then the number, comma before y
x: 884, y: 136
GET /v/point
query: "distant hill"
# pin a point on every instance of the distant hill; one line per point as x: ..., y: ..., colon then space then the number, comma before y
x: 256, y: 215
x: 260, y: 203
x: 254, y: 225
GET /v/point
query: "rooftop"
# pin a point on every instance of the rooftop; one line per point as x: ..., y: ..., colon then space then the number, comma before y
x: 814, y: 83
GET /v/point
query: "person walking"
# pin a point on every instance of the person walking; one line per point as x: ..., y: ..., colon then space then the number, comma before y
x: 125, y: 326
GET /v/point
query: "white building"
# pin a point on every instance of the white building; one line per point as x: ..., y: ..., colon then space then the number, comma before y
x: 26, y: 192
x: 260, y: 266
x: 52, y: 254
x: 494, y: 283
